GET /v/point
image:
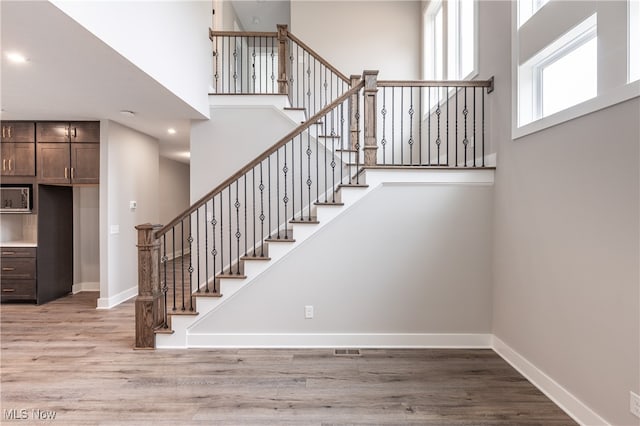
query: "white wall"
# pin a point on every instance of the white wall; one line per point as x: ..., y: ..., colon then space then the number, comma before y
x: 129, y: 171
x: 171, y: 38
x: 376, y: 35
x: 173, y: 185
x: 367, y: 272
x: 86, y: 238
x: 227, y: 142
x: 566, y: 255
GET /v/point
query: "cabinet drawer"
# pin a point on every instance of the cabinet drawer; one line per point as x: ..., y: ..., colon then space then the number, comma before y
x: 20, y: 268
x: 9, y: 252
x: 18, y: 289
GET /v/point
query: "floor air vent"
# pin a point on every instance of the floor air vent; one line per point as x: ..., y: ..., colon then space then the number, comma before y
x: 346, y: 352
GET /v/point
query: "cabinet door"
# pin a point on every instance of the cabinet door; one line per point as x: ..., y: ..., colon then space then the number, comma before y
x: 18, y: 131
x: 54, y: 163
x: 85, y: 163
x: 7, y: 156
x: 52, y: 132
x: 24, y: 159
x: 85, y: 131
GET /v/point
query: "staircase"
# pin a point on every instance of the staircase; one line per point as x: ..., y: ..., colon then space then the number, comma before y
x: 350, y: 143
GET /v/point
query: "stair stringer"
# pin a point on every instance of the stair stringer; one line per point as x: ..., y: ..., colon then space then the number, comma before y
x: 181, y: 324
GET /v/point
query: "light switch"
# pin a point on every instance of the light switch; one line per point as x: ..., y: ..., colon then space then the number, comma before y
x: 133, y: 205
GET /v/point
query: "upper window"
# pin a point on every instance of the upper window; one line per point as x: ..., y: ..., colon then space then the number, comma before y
x: 563, y: 74
x: 450, y: 40
x: 528, y: 8
x: 634, y: 40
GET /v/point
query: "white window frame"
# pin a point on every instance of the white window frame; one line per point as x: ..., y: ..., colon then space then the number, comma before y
x: 430, y: 40
x: 633, y: 41
x: 528, y: 8
x: 455, y: 43
x: 530, y: 73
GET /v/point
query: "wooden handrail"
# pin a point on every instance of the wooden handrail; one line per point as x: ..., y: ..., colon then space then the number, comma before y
x: 291, y: 135
x: 240, y: 34
x: 434, y: 83
x: 318, y: 57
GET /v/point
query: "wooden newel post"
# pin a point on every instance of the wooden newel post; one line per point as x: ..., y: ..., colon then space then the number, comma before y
x: 354, y: 116
x: 149, y: 309
x: 370, y: 117
x: 283, y: 76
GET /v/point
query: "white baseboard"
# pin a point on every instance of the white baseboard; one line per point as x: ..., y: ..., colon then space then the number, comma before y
x: 110, y: 302
x: 87, y: 286
x: 571, y: 405
x: 411, y: 340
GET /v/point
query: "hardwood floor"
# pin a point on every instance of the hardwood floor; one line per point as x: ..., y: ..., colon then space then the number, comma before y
x: 71, y: 359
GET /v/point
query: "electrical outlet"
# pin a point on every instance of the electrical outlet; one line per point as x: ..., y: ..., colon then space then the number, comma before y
x: 308, y: 312
x: 634, y: 404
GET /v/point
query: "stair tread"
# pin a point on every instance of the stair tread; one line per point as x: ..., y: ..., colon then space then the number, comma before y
x: 181, y: 312
x: 263, y: 258
x: 346, y: 150
x: 163, y: 331
x: 328, y: 203
x: 353, y: 185
x: 294, y: 109
x: 313, y: 220
x: 203, y: 293
x: 231, y: 276
x: 330, y: 136
x: 280, y: 240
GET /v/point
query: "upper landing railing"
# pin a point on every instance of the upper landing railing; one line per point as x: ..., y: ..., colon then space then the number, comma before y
x: 274, y: 63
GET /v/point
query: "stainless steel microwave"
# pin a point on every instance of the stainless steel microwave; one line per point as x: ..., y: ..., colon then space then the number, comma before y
x: 16, y: 198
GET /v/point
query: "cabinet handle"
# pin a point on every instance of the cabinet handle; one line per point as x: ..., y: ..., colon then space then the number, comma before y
x: 4, y: 163
x: 66, y: 131
x: 8, y: 290
x: 3, y: 136
x: 9, y: 131
x: 72, y: 177
x: 7, y: 269
x: 8, y: 253
x: 10, y: 164
x: 75, y: 132
x: 66, y: 173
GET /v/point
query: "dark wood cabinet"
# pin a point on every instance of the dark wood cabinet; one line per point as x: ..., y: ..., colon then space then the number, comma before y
x: 18, y: 148
x: 18, y: 131
x: 18, y: 159
x: 85, y: 163
x: 54, y: 163
x: 18, y: 277
x: 68, y: 153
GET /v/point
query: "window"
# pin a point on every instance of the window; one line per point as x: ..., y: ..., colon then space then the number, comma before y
x: 450, y: 35
x: 634, y: 40
x: 528, y: 8
x: 562, y: 75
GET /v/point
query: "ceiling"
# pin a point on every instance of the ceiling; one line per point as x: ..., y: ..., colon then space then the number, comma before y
x: 262, y: 15
x: 72, y: 75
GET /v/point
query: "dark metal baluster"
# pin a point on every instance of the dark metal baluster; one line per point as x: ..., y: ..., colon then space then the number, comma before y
x: 301, y: 178
x: 278, y: 191
x: 383, y: 142
x: 293, y: 179
x: 235, y: 64
x: 393, y: 125
x: 438, y: 112
x: 222, y: 234
x: 238, y: 233
x: 216, y: 55
x: 465, y: 141
x: 475, y: 106
x: 225, y: 89
x: 285, y: 199
x: 304, y: 83
x: 317, y: 167
x: 333, y: 163
x: 261, y: 187
x: 456, y: 139
x: 411, y: 113
x: 420, y: 89
x: 206, y: 249
x: 324, y: 164
x: 214, y: 252
x: 343, y: 136
x: 253, y: 64
x: 358, y: 141
x: 293, y: 69
x: 402, y: 125
x: 483, y: 127
x: 429, y: 125
x: 446, y: 92
x: 182, y: 262
x: 253, y: 191
x: 273, y: 67
x: 173, y: 251
x: 269, y: 192
x: 241, y: 67
x: 245, y: 215
x: 309, y: 181
x: 190, y: 239
x: 230, y: 234
x: 165, y: 284
x: 198, y: 246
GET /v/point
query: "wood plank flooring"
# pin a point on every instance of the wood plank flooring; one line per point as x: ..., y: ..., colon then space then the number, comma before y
x: 71, y: 359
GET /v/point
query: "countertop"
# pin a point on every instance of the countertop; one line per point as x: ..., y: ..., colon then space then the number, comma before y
x: 20, y: 243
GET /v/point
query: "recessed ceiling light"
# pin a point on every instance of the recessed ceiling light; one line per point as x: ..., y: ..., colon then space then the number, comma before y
x: 127, y: 113
x: 16, y: 57
x: 171, y: 131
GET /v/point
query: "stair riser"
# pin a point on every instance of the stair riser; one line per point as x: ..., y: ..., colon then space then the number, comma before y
x: 326, y: 213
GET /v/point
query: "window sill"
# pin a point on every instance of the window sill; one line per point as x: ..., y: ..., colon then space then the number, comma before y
x: 610, y: 98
